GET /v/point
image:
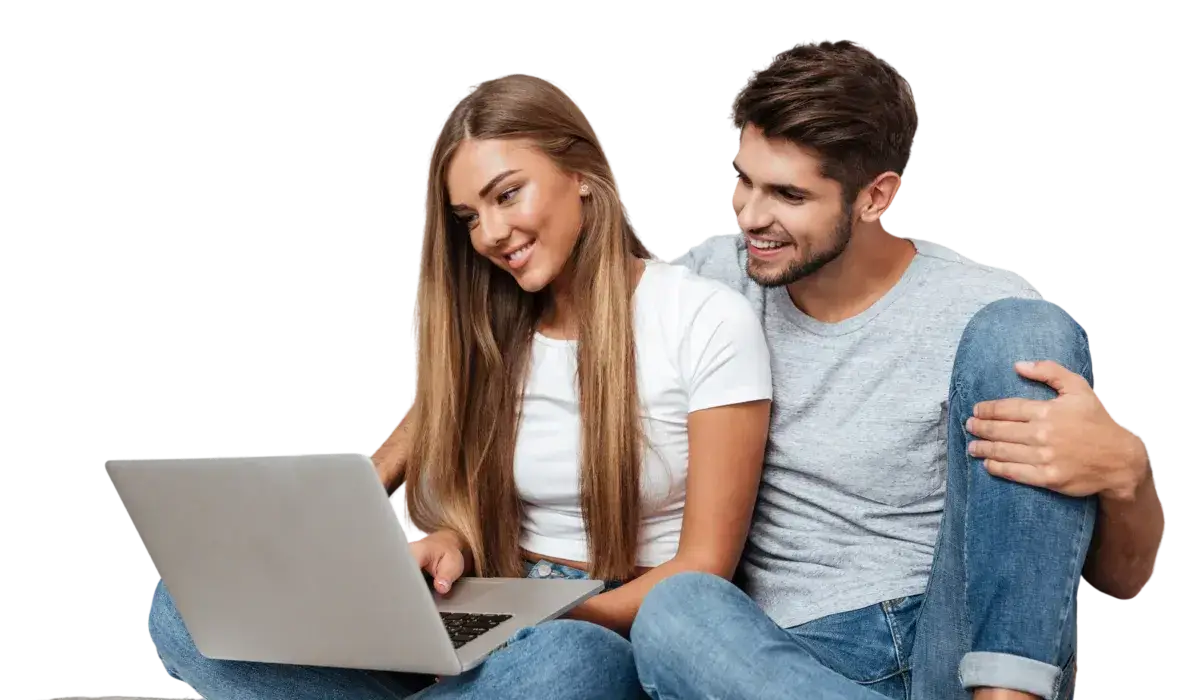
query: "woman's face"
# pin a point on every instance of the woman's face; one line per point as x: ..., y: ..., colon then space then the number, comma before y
x: 523, y: 212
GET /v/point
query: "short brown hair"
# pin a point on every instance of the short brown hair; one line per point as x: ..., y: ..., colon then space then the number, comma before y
x: 840, y: 100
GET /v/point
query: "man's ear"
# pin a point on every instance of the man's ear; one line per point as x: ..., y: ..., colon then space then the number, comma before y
x: 879, y: 196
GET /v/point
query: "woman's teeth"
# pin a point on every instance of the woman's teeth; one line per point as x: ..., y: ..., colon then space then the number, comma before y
x: 766, y: 245
x: 520, y: 253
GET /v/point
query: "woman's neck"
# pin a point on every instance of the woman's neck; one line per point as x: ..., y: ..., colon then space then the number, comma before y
x: 561, y: 320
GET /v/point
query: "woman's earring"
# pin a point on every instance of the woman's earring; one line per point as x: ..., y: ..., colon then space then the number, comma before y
x: 583, y: 190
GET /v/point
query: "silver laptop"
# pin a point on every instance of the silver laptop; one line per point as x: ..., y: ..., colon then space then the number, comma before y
x: 301, y: 560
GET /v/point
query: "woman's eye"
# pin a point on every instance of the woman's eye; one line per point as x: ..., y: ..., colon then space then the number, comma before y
x: 507, y: 195
x: 469, y: 221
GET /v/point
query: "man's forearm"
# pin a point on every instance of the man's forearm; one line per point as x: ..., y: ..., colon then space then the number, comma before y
x: 1125, y: 541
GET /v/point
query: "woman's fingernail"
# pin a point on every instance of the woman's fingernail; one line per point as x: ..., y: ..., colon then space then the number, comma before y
x: 443, y: 585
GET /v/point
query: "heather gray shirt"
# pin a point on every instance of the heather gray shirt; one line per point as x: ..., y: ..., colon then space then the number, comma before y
x: 855, y: 470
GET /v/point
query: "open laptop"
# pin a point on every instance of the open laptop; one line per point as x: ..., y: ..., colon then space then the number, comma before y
x: 302, y: 560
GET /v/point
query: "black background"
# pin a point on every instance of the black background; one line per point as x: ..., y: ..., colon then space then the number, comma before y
x: 258, y: 291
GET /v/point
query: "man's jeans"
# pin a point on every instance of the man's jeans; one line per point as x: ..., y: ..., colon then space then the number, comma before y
x: 999, y: 610
x: 556, y: 659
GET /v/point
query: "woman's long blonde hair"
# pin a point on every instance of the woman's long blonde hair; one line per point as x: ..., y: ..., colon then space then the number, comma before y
x: 475, y: 330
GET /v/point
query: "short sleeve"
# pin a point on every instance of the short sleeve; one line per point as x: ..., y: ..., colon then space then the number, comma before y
x: 726, y: 357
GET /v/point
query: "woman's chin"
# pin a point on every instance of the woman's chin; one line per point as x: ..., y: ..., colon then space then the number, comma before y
x: 530, y: 283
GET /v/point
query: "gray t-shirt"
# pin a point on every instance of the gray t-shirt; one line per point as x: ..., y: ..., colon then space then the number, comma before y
x: 854, y: 478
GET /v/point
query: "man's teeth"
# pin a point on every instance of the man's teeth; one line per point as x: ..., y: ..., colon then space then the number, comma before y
x: 519, y: 252
x: 766, y: 245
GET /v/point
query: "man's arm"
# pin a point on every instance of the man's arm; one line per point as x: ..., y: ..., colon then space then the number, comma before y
x: 1125, y: 541
x: 1071, y: 445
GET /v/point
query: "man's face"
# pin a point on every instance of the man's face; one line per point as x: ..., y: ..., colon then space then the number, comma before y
x: 794, y: 219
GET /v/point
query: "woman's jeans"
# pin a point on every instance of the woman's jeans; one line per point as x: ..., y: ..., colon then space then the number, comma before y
x: 555, y: 659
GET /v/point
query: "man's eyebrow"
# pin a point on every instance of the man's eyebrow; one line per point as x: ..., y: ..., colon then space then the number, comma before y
x: 486, y: 189
x: 780, y: 187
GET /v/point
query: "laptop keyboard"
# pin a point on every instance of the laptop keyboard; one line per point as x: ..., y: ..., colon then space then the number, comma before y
x: 463, y: 627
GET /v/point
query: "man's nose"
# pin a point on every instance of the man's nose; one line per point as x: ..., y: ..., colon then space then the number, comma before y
x: 754, y: 215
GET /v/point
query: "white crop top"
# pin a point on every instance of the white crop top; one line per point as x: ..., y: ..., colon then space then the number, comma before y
x: 699, y: 345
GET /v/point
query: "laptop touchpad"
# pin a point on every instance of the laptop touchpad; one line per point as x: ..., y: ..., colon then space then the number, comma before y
x: 476, y: 596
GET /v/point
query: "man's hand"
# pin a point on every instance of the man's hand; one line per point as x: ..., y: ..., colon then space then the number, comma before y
x: 1069, y: 444
x: 440, y: 554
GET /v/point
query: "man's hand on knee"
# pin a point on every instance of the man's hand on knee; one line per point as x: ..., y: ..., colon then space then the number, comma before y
x: 1069, y: 444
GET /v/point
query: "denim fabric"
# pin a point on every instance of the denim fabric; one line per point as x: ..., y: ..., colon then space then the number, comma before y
x: 548, y: 569
x: 559, y: 659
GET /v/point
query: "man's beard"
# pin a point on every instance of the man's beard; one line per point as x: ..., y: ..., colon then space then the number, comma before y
x: 799, y: 269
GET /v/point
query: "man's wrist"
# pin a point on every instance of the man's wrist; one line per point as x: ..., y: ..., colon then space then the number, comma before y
x: 1133, y: 466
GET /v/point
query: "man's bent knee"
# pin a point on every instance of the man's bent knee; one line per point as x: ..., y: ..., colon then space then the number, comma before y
x: 570, y: 641
x: 679, y: 595
x: 670, y: 612
x: 1013, y: 330
x: 573, y: 658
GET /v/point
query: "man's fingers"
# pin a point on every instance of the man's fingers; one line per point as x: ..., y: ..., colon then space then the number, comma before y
x: 1004, y: 431
x: 1012, y: 409
x: 1008, y: 452
x: 1054, y: 375
x: 1019, y: 472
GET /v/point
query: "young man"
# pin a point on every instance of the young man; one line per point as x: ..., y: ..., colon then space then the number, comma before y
x: 928, y: 502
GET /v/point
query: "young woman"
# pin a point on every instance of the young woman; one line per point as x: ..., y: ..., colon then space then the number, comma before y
x: 570, y: 392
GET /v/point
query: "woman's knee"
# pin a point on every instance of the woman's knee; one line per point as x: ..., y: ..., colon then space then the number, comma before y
x: 170, y: 636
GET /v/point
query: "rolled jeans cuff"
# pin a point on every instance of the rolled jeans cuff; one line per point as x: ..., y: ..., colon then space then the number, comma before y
x: 989, y: 669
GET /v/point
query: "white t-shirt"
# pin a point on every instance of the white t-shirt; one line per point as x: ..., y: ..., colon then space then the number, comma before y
x: 699, y: 345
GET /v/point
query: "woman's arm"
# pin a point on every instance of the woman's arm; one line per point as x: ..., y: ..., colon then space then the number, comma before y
x: 726, y: 446
x: 392, y: 456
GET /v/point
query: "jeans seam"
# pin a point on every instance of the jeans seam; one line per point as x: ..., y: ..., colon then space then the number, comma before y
x: 900, y: 664
x: 966, y: 502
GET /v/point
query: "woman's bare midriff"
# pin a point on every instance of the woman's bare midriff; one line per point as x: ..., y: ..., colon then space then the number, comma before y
x: 582, y: 566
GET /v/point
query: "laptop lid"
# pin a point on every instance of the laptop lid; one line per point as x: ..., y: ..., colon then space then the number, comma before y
x: 288, y: 559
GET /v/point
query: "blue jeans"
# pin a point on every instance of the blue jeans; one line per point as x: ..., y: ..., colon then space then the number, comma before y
x: 559, y: 659
x: 999, y: 609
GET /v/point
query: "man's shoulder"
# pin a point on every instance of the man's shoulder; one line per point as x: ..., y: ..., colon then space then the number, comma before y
x: 722, y: 258
x: 971, y: 282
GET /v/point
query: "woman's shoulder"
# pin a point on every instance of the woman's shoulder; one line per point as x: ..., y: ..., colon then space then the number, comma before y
x: 677, y: 292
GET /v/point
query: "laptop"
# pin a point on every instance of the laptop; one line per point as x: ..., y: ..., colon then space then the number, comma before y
x: 302, y: 560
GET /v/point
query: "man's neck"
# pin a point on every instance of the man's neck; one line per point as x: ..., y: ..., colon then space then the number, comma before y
x: 873, y: 262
